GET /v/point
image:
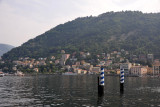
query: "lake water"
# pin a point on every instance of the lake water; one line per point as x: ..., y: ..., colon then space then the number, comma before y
x: 77, y: 91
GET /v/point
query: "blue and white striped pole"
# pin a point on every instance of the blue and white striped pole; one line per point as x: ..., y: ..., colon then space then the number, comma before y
x: 102, y: 77
x: 122, y: 80
x: 101, y: 84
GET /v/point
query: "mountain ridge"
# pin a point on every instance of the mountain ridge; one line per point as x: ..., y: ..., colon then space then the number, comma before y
x: 5, y: 48
x: 134, y: 31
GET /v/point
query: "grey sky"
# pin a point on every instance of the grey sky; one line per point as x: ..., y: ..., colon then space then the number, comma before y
x: 21, y: 20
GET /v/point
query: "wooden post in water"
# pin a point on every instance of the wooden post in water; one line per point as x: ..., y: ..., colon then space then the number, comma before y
x: 121, y: 80
x: 101, y: 83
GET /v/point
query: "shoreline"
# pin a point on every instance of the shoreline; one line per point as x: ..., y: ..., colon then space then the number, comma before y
x: 33, y: 74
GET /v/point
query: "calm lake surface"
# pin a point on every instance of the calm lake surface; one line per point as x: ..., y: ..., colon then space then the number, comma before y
x: 77, y: 91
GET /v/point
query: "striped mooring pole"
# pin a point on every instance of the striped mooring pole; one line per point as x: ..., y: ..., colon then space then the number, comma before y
x: 121, y: 80
x: 101, y: 83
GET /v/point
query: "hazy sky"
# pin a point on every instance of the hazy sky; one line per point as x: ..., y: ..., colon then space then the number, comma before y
x: 21, y: 20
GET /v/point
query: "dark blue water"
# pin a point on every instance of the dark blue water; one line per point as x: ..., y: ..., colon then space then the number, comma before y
x: 77, y: 91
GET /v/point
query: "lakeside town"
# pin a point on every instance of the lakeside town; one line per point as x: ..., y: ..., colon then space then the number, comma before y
x: 82, y: 63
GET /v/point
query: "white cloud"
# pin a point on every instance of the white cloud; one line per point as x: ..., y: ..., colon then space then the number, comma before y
x: 149, y: 6
x: 17, y: 29
x: 22, y: 20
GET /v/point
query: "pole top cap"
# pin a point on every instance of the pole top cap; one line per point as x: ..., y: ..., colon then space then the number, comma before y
x: 122, y: 69
x: 102, y: 68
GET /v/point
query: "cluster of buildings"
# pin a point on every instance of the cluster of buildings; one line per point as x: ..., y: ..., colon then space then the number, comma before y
x: 112, y: 63
x: 139, y: 70
x: 74, y: 65
x: 80, y: 63
x: 30, y: 62
x: 134, y: 69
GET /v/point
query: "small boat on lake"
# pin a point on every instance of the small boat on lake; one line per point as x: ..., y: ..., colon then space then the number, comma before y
x: 19, y: 73
x: 1, y: 74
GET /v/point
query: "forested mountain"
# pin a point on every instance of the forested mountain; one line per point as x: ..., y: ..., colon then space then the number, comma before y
x: 5, y: 48
x: 134, y: 31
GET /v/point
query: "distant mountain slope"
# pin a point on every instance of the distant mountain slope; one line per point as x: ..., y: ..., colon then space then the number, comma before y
x: 133, y: 31
x: 5, y: 48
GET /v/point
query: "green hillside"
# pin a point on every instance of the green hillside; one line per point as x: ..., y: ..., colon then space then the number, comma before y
x: 133, y: 31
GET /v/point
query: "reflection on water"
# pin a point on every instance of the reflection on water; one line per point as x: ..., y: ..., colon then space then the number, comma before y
x: 77, y: 91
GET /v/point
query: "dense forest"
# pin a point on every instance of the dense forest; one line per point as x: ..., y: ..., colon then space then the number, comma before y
x: 134, y: 31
